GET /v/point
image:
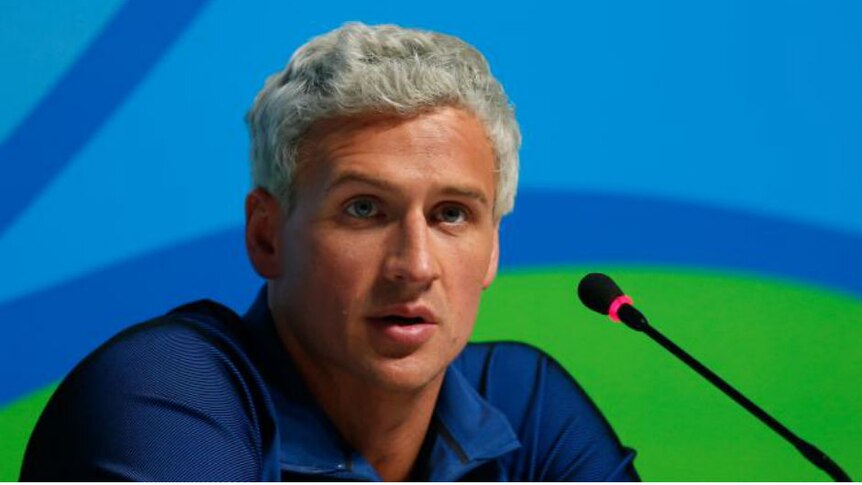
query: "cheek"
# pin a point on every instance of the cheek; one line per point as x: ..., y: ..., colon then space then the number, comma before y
x: 466, y: 286
x: 338, y: 266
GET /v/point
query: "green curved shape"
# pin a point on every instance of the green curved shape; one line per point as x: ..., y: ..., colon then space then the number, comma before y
x: 793, y: 349
x: 16, y: 423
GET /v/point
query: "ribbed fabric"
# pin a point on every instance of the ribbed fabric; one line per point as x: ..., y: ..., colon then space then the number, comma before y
x: 202, y: 395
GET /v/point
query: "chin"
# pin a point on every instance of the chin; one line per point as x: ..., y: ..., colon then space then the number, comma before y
x: 407, y: 374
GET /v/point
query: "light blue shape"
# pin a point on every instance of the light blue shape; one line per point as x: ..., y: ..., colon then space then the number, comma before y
x: 755, y: 106
x: 751, y: 106
x: 169, y: 165
x: 39, y: 41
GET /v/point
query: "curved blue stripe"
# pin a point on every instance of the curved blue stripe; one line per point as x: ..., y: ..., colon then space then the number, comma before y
x: 45, y: 334
x: 550, y: 228
x: 85, y: 97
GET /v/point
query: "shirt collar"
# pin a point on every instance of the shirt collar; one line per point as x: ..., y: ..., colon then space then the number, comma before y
x: 470, y: 430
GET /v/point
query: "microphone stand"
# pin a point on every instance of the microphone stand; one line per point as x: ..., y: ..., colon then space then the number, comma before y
x: 636, y: 321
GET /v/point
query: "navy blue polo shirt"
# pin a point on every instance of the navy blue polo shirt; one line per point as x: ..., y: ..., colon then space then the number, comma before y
x: 200, y: 394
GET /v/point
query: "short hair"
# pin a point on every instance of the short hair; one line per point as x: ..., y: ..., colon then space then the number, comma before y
x: 359, y: 69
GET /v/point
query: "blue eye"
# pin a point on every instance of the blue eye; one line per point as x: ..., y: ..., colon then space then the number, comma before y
x: 452, y: 215
x: 362, y: 208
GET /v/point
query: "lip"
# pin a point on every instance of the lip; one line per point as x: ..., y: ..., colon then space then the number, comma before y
x: 404, y: 336
x: 407, y: 311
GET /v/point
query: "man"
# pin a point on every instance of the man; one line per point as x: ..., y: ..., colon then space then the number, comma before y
x: 383, y: 160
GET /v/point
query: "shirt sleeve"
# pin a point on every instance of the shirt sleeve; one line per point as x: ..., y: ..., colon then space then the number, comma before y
x: 563, y: 435
x: 160, y: 402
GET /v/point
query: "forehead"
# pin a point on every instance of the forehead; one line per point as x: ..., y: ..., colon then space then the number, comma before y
x: 441, y: 144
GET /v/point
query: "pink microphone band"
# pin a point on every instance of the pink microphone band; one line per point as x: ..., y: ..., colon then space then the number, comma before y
x: 616, y: 304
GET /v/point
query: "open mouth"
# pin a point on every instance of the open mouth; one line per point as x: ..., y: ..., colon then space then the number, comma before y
x: 404, y: 327
x: 398, y: 320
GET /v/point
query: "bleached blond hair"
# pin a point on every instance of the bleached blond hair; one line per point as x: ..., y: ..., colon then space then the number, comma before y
x: 360, y: 69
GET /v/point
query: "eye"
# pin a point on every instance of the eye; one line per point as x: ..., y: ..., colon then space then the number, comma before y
x: 362, y: 208
x: 452, y: 214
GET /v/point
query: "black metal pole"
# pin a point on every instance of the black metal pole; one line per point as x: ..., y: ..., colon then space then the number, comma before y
x: 634, y: 319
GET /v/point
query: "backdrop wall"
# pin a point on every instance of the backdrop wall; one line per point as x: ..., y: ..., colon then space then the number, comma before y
x: 707, y: 154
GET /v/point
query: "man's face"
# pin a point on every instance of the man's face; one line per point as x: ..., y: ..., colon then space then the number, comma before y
x: 387, y: 248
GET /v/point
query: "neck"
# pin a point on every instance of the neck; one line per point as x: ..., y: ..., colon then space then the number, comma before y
x: 388, y: 429
x: 385, y: 426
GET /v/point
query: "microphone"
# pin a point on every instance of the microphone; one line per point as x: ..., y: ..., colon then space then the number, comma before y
x: 599, y: 293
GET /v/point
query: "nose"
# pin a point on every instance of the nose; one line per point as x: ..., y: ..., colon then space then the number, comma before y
x: 411, y: 260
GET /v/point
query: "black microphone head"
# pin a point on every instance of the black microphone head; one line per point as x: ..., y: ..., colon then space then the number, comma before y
x: 597, y: 291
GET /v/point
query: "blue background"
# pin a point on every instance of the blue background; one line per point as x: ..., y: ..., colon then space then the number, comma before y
x: 718, y: 134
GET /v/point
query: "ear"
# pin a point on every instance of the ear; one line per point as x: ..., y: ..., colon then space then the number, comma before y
x: 491, y: 273
x: 263, y: 233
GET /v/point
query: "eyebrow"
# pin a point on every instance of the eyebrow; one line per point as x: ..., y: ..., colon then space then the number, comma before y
x: 350, y: 176
x: 356, y: 177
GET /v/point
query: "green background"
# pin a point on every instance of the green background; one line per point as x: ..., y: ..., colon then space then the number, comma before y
x: 793, y: 349
x: 728, y: 134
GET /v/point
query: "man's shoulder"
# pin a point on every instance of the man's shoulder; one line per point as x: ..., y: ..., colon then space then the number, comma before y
x: 557, y: 423
x: 188, y: 339
x: 201, y: 322
x: 201, y: 342
x: 506, y: 347
x: 509, y: 375
x: 179, y: 378
x: 520, y: 379
x: 507, y: 359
